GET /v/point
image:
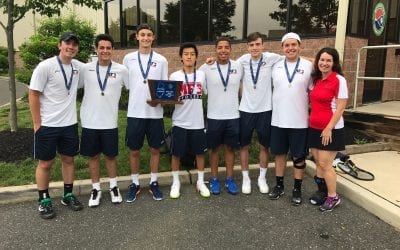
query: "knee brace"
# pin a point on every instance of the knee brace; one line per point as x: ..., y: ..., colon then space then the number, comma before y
x: 299, y: 163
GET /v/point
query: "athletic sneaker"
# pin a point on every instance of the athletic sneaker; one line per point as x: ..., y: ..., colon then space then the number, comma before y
x: 133, y: 192
x: 116, y: 196
x: 246, y: 185
x: 46, y: 209
x: 296, y: 197
x: 263, y: 185
x: 95, y: 197
x: 155, y: 191
x: 175, y: 190
x: 202, y: 189
x: 71, y: 201
x: 318, y: 198
x: 276, y: 193
x: 230, y: 185
x: 214, y: 186
x: 330, y: 203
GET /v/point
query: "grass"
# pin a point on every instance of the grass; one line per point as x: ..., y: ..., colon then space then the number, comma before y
x: 23, y: 172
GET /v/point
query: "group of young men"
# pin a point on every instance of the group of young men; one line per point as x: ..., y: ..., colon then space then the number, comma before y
x: 274, y: 103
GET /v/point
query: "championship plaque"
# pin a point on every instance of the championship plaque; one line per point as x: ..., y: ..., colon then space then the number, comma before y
x: 164, y: 91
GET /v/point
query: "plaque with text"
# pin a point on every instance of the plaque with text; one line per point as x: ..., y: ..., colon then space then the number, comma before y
x: 164, y: 91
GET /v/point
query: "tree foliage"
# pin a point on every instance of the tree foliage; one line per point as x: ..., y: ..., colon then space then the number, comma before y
x: 15, y: 12
x: 309, y: 16
x: 44, y: 44
x: 195, y: 19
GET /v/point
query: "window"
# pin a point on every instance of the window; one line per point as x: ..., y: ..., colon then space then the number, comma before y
x: 393, y: 21
x: 263, y: 17
x: 169, y: 25
x: 357, y: 15
x: 129, y: 17
x: 113, y: 22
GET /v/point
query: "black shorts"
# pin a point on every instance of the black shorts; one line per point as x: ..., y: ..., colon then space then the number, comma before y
x: 284, y: 140
x: 51, y: 140
x: 186, y: 141
x: 222, y: 132
x: 261, y: 122
x: 96, y: 141
x: 137, y: 128
x: 315, y: 140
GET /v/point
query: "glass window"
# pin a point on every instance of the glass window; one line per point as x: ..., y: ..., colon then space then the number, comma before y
x: 129, y: 15
x: 236, y: 29
x: 148, y: 13
x: 169, y: 25
x: 393, y: 21
x: 194, y: 20
x: 113, y: 22
x: 267, y: 18
x: 314, y: 17
x: 357, y: 14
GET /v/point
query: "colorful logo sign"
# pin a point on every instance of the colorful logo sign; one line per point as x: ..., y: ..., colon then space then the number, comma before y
x: 379, y: 19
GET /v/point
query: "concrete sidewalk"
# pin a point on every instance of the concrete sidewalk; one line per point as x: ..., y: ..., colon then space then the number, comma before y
x: 380, y: 197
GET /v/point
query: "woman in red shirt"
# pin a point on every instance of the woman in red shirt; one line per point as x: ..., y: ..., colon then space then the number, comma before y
x: 328, y: 99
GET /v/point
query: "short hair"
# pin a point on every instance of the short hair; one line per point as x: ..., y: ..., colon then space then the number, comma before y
x: 336, y: 62
x: 188, y: 45
x: 103, y: 37
x: 143, y: 26
x: 223, y: 38
x: 254, y: 36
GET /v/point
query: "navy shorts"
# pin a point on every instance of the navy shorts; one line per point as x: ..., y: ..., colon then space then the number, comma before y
x: 186, y: 141
x: 137, y: 128
x: 51, y: 140
x: 222, y: 132
x: 261, y: 122
x: 315, y: 140
x: 96, y: 141
x: 284, y: 140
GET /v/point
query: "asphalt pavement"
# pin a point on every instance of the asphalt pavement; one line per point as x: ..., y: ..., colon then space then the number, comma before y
x: 21, y: 90
x: 220, y: 222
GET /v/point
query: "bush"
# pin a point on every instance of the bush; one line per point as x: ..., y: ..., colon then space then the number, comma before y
x: 44, y: 44
x: 23, y: 75
x: 3, y: 63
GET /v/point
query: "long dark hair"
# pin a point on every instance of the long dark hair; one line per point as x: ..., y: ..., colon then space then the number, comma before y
x: 336, y: 63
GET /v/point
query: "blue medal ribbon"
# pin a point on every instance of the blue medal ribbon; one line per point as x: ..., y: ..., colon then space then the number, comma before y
x: 255, y: 78
x: 224, y: 81
x: 187, y: 80
x: 68, y: 84
x: 102, y: 85
x: 148, y: 66
x: 290, y: 77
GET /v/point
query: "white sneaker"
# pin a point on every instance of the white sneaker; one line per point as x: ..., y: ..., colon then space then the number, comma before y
x: 246, y: 185
x: 95, y: 197
x: 263, y: 185
x: 202, y: 189
x: 115, y: 195
x: 175, y: 190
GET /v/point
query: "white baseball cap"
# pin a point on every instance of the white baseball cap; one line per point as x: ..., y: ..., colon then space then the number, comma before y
x: 291, y: 35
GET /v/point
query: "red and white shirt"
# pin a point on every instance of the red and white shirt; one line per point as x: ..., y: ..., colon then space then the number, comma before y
x: 323, y: 98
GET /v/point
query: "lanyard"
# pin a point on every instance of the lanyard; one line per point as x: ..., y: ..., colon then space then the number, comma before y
x: 224, y: 81
x: 148, y: 66
x: 102, y: 85
x: 187, y: 80
x: 67, y: 84
x: 255, y: 78
x: 290, y: 77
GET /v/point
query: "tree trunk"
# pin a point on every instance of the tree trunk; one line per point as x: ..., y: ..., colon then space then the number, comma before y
x: 11, y: 68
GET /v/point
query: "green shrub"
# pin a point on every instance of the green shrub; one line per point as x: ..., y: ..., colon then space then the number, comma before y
x: 23, y: 75
x: 3, y: 63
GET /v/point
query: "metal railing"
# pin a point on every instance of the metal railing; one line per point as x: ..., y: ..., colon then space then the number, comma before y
x: 369, y: 77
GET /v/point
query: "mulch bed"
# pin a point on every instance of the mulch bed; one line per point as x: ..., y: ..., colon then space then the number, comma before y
x: 17, y: 146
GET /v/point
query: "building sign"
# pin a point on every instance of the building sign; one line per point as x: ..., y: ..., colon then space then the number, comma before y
x: 379, y: 19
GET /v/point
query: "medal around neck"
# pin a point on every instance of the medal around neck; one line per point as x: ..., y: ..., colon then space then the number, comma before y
x: 164, y: 91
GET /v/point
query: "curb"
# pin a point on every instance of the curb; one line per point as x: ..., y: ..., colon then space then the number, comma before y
x: 16, y: 194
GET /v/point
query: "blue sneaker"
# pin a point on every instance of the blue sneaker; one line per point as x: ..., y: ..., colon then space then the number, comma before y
x: 155, y: 191
x: 133, y: 192
x: 214, y: 186
x: 231, y: 186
